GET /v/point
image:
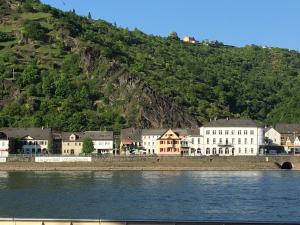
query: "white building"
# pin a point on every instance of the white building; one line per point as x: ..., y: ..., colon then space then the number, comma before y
x: 4, y: 145
x: 194, y: 142
x: 103, y: 141
x: 273, y: 136
x: 227, y: 137
x: 32, y: 140
x: 149, y: 137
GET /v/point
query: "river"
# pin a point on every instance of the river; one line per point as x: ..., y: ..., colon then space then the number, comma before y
x: 237, y: 196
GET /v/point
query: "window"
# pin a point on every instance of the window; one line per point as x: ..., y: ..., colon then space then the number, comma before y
x: 232, y: 132
x: 214, y: 141
x: 207, y: 141
x: 239, y: 141
x: 75, y: 143
x: 220, y: 132
x: 220, y: 151
x: 207, y: 132
x: 152, y: 143
x: 232, y: 141
x: 226, y: 151
x: 161, y: 149
x: 214, y: 132
x: 214, y: 151
x: 240, y: 150
x: 245, y: 141
x: 227, y: 142
x: 239, y: 132
x: 161, y: 142
x: 251, y: 132
x: 252, y: 150
x: 192, y: 140
x: 220, y: 140
x: 245, y: 150
x: 226, y: 132
x: 198, y: 140
x: 245, y: 132
x: 208, y: 151
x: 252, y: 141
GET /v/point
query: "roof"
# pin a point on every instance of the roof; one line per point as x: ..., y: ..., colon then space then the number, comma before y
x: 288, y: 128
x: 153, y: 131
x: 65, y: 136
x: 233, y: 123
x: 135, y: 135
x: 193, y: 132
x: 35, y: 133
x: 99, y: 135
x: 94, y: 135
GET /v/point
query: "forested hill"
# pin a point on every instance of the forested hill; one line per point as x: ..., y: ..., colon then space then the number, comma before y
x: 68, y: 72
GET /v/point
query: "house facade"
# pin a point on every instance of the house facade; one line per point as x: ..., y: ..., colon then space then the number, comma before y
x: 289, y: 136
x: 273, y: 137
x: 103, y: 141
x: 4, y: 145
x: 149, y: 138
x: 194, y: 141
x: 72, y: 142
x: 130, y: 139
x: 170, y: 143
x: 31, y: 140
x: 229, y: 137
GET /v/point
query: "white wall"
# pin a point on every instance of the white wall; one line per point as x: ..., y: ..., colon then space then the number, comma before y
x: 240, y: 140
x: 273, y: 136
x: 149, y: 143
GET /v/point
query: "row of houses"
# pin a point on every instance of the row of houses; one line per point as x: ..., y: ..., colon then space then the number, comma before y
x: 224, y: 137
x: 41, y: 140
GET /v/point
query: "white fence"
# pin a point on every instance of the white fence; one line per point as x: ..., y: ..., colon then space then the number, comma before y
x: 62, y: 159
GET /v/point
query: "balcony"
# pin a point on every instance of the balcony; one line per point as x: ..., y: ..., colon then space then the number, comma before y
x: 225, y: 144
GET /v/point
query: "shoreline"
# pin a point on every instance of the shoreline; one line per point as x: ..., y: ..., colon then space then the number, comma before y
x: 130, y: 167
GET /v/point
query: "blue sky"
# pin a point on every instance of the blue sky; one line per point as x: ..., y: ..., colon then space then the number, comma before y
x: 274, y: 23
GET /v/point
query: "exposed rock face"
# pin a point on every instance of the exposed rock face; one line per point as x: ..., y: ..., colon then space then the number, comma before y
x: 154, y: 110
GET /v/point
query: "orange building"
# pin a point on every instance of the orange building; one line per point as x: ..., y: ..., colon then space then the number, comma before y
x: 170, y: 143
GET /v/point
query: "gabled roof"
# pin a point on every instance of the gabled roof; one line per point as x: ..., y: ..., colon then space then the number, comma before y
x: 135, y: 135
x: 94, y: 135
x: 65, y: 136
x: 288, y: 128
x: 153, y: 131
x: 35, y: 133
x: 232, y: 123
x: 99, y: 135
x: 176, y: 133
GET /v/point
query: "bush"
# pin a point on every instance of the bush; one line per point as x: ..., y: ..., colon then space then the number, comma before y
x: 6, y: 37
x: 34, y: 30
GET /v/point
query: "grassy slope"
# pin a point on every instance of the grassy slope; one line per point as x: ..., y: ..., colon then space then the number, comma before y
x: 207, y: 81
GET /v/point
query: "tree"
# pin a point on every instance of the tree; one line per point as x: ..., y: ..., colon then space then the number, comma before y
x: 173, y: 36
x: 87, y: 146
x: 90, y: 16
x: 50, y: 146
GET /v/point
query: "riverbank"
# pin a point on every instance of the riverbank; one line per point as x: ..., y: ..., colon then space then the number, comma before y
x: 133, y: 166
x: 216, y: 163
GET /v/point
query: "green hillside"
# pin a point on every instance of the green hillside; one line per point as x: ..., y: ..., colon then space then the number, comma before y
x: 68, y: 72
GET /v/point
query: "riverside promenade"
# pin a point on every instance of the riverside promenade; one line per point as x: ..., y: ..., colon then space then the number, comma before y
x: 107, y: 222
x: 205, y: 163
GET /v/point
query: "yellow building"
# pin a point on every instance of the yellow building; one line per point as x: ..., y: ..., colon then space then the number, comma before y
x: 170, y: 143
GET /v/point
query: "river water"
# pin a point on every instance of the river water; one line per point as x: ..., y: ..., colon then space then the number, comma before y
x: 237, y: 196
